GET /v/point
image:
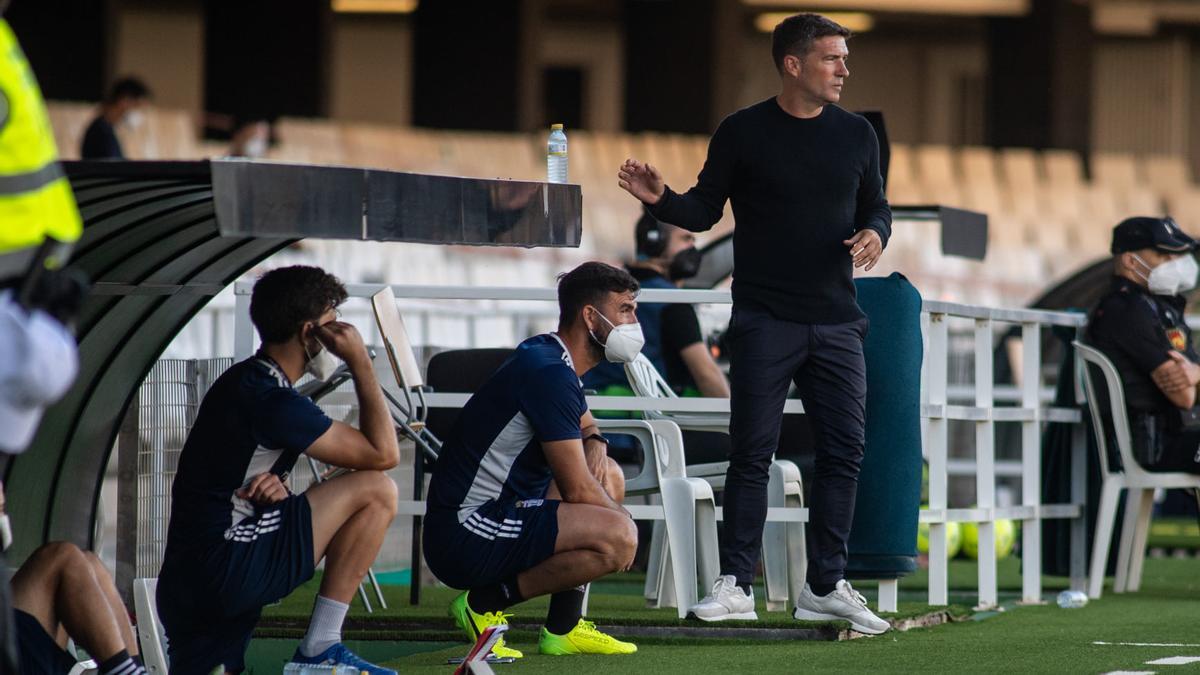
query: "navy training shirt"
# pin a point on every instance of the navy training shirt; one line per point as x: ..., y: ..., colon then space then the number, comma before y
x: 250, y: 422
x: 494, y: 453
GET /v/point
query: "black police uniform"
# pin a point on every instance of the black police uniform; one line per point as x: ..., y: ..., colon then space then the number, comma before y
x: 1137, y: 330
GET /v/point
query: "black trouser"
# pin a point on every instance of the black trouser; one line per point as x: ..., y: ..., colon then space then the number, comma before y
x: 826, y: 363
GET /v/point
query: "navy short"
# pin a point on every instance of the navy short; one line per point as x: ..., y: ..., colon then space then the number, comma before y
x: 209, y: 600
x: 39, y: 653
x: 494, y: 543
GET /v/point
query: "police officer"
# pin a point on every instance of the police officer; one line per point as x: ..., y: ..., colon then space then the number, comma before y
x: 37, y: 210
x: 1140, y: 326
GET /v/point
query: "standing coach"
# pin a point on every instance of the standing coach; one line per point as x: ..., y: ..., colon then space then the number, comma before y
x: 803, y: 177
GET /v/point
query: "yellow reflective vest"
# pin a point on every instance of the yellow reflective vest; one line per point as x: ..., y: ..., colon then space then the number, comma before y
x: 35, y: 198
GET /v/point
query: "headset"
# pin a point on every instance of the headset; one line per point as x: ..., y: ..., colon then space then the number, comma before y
x: 651, y: 236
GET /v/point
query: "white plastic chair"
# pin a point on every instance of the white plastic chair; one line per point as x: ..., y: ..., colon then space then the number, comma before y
x: 150, y: 633
x: 784, y: 557
x: 688, y: 552
x: 1140, y: 483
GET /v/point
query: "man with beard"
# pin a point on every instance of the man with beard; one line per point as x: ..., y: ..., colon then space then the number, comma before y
x: 524, y: 500
x: 666, y: 255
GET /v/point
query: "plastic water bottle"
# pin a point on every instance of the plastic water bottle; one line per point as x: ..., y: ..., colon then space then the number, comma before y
x: 556, y: 155
x: 320, y: 669
x: 1072, y: 599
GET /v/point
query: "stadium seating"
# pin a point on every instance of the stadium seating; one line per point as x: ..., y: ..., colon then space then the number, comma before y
x: 1047, y: 217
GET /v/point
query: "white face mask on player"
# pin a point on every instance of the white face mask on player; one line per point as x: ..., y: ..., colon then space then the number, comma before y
x: 1172, y: 277
x: 624, y: 342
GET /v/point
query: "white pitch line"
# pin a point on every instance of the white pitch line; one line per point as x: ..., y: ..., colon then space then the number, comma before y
x: 1147, y: 644
x: 1174, y: 661
x: 1131, y: 672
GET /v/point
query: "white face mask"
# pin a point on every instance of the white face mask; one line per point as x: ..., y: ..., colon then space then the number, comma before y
x: 321, y: 365
x: 134, y: 119
x: 1172, y: 277
x: 624, y: 342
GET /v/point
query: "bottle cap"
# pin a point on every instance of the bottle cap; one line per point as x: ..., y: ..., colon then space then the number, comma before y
x: 556, y: 127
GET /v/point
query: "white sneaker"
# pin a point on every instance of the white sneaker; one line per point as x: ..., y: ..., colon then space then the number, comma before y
x: 726, y: 601
x: 843, y: 604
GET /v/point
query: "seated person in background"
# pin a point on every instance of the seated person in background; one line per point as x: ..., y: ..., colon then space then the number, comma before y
x: 1140, y: 326
x: 666, y: 255
x: 524, y: 501
x: 251, y: 137
x: 123, y: 105
x: 238, y: 539
x: 62, y: 591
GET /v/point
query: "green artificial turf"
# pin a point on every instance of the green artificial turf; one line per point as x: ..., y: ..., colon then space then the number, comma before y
x: 1042, y: 639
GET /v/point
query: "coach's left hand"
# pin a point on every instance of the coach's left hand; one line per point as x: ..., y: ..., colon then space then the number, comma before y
x: 865, y: 248
x: 264, y: 489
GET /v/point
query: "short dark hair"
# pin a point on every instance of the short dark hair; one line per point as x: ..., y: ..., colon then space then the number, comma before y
x: 795, y: 35
x: 588, y: 284
x: 285, y: 299
x: 127, y: 87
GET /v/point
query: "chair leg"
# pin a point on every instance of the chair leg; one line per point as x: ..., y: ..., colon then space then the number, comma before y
x: 779, y: 555
x: 889, y: 591
x: 654, y: 564
x: 1106, y: 517
x: 1138, y: 555
x: 1133, y: 498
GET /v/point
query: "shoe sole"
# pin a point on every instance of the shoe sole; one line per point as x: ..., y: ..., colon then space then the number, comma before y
x: 737, y: 616
x: 809, y: 615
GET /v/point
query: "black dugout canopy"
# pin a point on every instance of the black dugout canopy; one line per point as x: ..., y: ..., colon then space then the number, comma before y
x: 161, y: 238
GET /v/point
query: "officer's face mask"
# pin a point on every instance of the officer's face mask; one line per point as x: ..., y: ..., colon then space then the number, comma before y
x: 685, y: 264
x: 1172, y: 277
x: 320, y: 365
x: 624, y: 342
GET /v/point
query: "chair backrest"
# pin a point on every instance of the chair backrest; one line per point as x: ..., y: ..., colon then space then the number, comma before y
x: 647, y: 382
x: 459, y: 371
x: 149, y: 629
x: 1087, y: 359
x: 395, y: 340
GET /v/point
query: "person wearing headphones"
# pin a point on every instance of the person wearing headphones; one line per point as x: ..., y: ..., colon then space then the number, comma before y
x: 666, y: 255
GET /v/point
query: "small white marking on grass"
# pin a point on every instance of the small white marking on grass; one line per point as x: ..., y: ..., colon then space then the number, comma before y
x: 1131, y: 672
x: 1174, y: 661
x: 1146, y: 644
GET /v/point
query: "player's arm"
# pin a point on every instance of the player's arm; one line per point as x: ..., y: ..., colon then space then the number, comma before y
x: 375, y: 446
x: 575, y: 482
x: 595, y: 451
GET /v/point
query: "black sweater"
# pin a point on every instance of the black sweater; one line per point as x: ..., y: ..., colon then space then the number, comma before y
x: 799, y: 187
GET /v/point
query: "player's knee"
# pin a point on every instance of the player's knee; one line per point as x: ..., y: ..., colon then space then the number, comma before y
x: 60, y: 553
x: 384, y: 493
x: 622, y: 544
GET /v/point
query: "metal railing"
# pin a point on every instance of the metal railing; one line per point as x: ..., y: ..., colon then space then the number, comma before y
x: 942, y: 404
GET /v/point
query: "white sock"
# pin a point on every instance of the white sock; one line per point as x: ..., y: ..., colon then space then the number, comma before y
x: 325, y: 626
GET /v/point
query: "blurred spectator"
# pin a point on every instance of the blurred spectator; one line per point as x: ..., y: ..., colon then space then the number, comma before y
x: 251, y: 138
x: 123, y: 105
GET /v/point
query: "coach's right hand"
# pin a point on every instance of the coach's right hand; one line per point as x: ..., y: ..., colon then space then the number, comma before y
x: 641, y: 180
x: 344, y: 340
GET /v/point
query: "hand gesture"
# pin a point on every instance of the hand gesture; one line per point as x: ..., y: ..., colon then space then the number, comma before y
x: 264, y: 489
x: 344, y: 341
x: 865, y: 248
x: 641, y: 180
